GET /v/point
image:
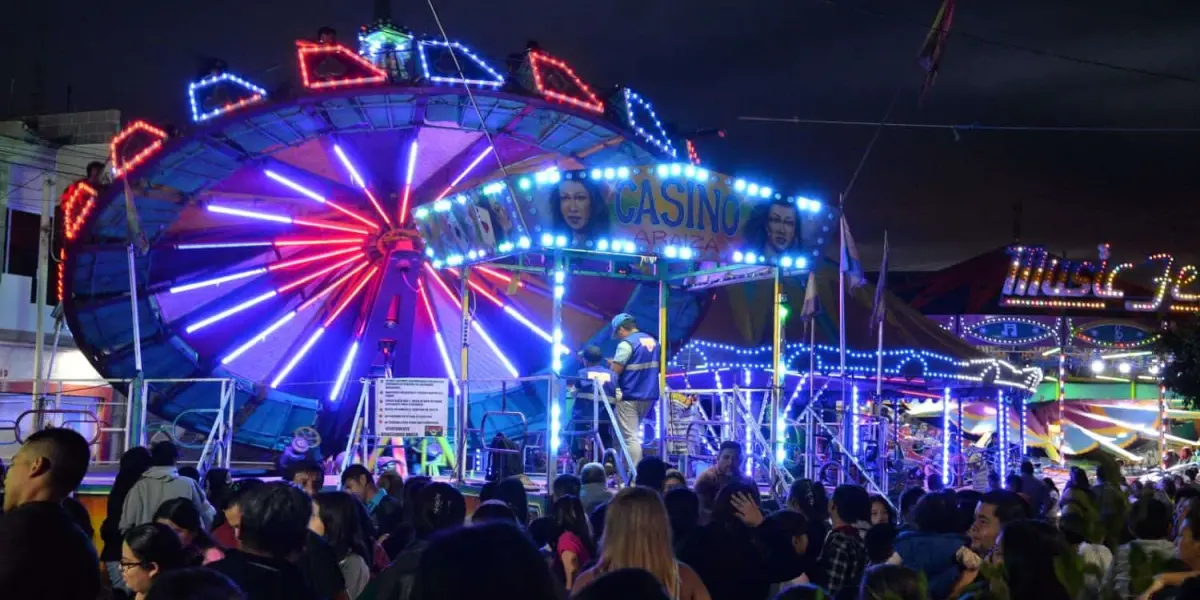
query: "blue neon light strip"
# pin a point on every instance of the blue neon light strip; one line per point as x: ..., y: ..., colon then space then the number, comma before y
x: 343, y: 372
x: 258, y: 95
x: 495, y: 81
x: 659, y: 138
x: 258, y: 339
x: 287, y: 369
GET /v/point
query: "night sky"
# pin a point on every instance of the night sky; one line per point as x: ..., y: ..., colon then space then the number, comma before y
x: 704, y: 63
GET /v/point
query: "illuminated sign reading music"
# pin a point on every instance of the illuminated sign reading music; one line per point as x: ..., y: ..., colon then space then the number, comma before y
x: 1038, y: 279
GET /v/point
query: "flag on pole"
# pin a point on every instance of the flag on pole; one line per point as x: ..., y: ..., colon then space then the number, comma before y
x: 878, y: 312
x: 812, y: 302
x: 850, y: 265
x: 930, y: 56
x: 134, y: 224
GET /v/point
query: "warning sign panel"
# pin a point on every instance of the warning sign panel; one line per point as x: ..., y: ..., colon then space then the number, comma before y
x: 412, y: 407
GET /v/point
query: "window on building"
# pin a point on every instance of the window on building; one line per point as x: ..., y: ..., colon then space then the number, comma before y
x: 22, y: 251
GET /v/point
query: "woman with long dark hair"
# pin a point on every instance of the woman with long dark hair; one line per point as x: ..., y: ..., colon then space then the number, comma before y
x: 511, y: 491
x: 1031, y: 552
x: 881, y: 511
x: 336, y: 518
x: 809, y: 498
x: 892, y: 582
x: 148, y: 551
x: 578, y: 207
x: 181, y: 516
x: 134, y: 462
x: 740, y: 554
x: 573, y: 546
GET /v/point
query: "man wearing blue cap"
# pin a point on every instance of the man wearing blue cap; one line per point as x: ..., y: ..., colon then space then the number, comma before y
x: 595, y: 371
x: 636, y: 366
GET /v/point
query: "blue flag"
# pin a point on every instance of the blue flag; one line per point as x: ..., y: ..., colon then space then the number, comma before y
x: 812, y: 302
x: 878, y: 312
x: 850, y: 264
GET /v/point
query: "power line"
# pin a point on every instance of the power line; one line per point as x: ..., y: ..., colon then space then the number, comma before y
x: 979, y: 126
x: 1018, y: 47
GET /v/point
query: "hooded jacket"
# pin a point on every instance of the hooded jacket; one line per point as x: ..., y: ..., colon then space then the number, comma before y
x: 157, y: 485
x: 932, y: 554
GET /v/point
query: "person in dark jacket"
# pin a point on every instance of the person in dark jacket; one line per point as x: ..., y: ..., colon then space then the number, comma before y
x: 134, y: 462
x: 437, y: 507
x: 932, y: 547
x: 1036, y: 490
x: 387, y: 512
x: 39, y: 541
x: 740, y: 554
x: 273, y: 532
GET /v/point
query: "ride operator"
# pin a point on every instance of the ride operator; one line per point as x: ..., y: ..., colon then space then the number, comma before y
x: 636, y: 365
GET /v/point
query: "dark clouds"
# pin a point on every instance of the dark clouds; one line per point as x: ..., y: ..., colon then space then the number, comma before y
x: 704, y: 63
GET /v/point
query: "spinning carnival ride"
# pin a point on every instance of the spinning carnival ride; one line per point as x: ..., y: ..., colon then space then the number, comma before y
x: 281, y: 252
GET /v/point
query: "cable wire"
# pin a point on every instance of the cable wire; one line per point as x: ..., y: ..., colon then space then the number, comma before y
x: 978, y: 126
x: 471, y: 95
x: 1018, y: 47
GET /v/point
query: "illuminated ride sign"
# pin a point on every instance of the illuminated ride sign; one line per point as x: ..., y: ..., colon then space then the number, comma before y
x: 674, y: 211
x: 1038, y: 279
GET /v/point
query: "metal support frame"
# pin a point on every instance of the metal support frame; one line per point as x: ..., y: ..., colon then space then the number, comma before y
x: 464, y: 395
x: 556, y: 387
x: 138, y: 401
x: 220, y: 436
x: 777, y: 373
x: 664, y: 398
x: 359, y: 425
x: 45, y: 234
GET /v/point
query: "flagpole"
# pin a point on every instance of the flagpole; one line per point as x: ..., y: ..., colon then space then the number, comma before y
x: 879, y: 324
x: 846, y: 408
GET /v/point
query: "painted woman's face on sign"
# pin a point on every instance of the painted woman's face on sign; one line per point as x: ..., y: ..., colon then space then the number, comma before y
x: 575, y: 203
x: 781, y: 227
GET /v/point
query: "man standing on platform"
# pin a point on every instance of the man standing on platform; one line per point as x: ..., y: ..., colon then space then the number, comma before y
x: 636, y: 365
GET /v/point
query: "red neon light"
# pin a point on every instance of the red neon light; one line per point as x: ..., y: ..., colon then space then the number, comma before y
x: 62, y: 261
x: 318, y: 242
x: 475, y: 286
x: 446, y: 288
x: 77, y: 204
x: 378, y: 208
x: 333, y: 286
x: 327, y: 225
x: 307, y: 50
x: 693, y: 156
x: 352, y: 214
x: 346, y: 301
x: 308, y: 278
x: 308, y: 259
x: 591, y: 102
x: 119, y: 168
x: 501, y: 276
x: 428, y: 309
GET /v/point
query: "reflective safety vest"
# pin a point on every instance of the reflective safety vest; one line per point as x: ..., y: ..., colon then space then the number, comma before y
x: 585, y: 390
x: 639, y: 379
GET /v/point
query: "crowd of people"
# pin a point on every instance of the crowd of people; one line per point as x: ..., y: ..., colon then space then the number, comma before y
x: 168, y: 536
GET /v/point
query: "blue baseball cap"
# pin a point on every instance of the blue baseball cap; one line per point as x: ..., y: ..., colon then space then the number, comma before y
x: 620, y: 319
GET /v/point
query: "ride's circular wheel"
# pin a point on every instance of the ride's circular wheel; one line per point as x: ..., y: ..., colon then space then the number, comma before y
x: 279, y: 248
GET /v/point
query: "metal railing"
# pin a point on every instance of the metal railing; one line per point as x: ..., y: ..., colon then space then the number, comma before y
x: 869, y: 426
x: 734, y: 418
x: 75, y: 403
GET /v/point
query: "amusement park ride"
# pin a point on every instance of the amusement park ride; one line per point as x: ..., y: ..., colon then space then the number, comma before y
x: 416, y: 213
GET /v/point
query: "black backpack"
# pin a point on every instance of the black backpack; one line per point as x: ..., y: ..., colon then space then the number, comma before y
x: 504, y: 464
